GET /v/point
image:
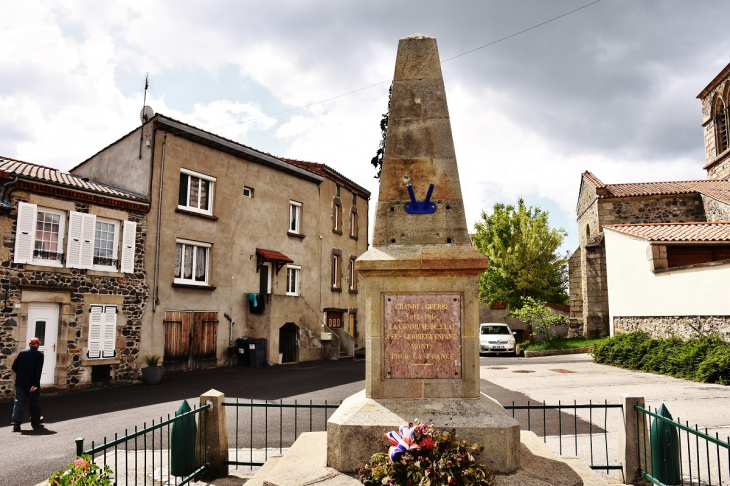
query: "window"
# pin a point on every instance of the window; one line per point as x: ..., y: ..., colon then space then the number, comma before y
x: 265, y: 278
x: 353, y: 276
x: 336, y: 269
x: 39, y: 235
x: 337, y: 216
x: 721, y: 126
x: 353, y: 223
x: 191, y: 262
x: 102, y: 331
x: 106, y: 242
x: 248, y: 191
x: 196, y: 192
x: 292, y: 279
x: 295, y: 214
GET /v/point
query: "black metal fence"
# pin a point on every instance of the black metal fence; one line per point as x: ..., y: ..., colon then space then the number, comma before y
x: 147, y: 455
x: 561, y: 426
x: 265, y: 426
x: 665, y: 457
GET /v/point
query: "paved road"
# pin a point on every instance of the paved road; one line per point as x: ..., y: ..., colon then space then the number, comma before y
x: 91, y: 413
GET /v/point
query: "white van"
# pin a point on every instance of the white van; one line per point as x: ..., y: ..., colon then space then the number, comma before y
x: 496, y: 337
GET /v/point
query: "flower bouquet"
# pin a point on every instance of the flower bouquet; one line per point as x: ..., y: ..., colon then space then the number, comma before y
x: 420, y: 456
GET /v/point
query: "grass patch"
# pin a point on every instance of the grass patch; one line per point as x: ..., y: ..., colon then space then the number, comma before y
x: 561, y: 343
x: 705, y: 359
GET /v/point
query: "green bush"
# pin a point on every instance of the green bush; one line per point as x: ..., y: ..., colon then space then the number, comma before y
x: 705, y: 359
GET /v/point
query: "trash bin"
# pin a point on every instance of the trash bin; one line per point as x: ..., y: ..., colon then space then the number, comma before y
x: 243, y: 351
x: 257, y: 352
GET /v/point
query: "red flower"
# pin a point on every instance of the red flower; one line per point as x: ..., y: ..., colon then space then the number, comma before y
x: 82, y: 463
x: 453, y: 481
x: 428, y: 443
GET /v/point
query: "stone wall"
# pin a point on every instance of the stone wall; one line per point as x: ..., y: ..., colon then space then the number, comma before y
x: 575, y: 292
x: 720, y: 170
x: 588, y: 223
x: 594, y: 289
x: 650, y: 209
x: 715, y: 210
x: 683, y: 327
x: 77, y: 284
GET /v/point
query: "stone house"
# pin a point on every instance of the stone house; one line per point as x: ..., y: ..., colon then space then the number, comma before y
x: 238, y: 245
x: 633, y: 209
x: 72, y: 274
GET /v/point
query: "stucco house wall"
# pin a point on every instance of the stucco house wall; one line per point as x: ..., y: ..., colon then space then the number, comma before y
x: 662, y: 303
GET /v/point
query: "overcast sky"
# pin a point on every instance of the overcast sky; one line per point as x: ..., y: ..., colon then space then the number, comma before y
x: 610, y: 88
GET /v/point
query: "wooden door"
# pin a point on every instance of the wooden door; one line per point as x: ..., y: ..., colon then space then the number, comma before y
x: 190, y: 340
x: 289, y: 342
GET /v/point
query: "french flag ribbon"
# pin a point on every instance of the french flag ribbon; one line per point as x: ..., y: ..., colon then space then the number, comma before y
x: 401, y: 442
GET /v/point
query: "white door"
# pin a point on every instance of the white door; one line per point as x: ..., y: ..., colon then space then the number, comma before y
x: 43, y: 324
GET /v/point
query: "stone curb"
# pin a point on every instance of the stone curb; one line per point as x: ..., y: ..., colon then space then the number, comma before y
x: 557, y: 352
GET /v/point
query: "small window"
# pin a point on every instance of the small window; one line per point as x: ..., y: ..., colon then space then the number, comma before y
x: 336, y: 269
x: 721, y: 126
x: 248, y: 191
x: 106, y: 244
x: 353, y: 223
x: 292, y: 279
x: 337, y: 216
x: 295, y: 215
x: 353, y: 276
x: 191, y: 262
x: 102, y: 332
x: 265, y: 278
x: 196, y: 192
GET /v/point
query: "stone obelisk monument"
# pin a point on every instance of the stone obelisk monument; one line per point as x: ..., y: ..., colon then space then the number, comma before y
x: 421, y: 283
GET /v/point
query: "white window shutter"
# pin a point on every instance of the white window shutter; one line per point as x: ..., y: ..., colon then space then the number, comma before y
x: 128, y: 241
x: 96, y: 329
x: 25, y: 232
x: 88, y: 230
x: 73, y: 249
x: 109, y: 341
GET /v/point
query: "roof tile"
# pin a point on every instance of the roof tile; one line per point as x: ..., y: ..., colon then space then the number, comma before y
x: 676, y: 232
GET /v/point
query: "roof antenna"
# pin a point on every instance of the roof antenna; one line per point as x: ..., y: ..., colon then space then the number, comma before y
x: 145, y: 114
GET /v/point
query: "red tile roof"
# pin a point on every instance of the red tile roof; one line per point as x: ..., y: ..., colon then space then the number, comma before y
x: 273, y: 256
x: 676, y: 232
x: 48, y: 175
x: 716, y: 189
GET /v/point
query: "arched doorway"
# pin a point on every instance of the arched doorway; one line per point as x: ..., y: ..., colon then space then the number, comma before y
x: 289, y: 343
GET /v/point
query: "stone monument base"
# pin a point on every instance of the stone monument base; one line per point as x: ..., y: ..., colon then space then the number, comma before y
x: 355, y: 431
x: 305, y: 464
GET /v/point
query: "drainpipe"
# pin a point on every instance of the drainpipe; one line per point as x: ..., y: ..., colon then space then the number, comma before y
x: 5, y: 187
x: 155, y: 299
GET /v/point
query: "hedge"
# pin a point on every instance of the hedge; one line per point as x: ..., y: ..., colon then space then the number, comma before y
x: 705, y: 359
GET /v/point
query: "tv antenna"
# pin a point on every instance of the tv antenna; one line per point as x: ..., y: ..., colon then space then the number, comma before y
x: 146, y: 113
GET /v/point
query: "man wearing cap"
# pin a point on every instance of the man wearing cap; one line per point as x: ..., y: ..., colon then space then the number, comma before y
x: 28, y: 366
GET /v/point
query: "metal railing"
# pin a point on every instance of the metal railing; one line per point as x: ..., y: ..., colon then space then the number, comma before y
x: 140, y: 448
x: 558, y: 422
x: 665, y: 458
x: 252, y: 419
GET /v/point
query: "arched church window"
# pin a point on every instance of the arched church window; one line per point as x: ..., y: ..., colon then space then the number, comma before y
x: 721, y: 126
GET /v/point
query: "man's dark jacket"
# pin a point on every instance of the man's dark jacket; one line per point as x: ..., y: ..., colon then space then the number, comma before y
x: 28, y: 366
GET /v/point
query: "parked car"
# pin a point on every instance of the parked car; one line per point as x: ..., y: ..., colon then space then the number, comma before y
x: 496, y: 337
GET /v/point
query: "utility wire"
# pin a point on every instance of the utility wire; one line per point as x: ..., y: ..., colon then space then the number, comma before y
x: 388, y: 81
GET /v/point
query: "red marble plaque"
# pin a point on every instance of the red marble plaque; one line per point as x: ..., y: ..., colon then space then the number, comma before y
x: 422, y: 336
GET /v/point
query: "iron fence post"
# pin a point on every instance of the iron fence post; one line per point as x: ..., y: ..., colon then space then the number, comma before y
x: 80, y: 446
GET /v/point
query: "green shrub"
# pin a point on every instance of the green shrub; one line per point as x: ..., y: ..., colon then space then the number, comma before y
x: 704, y: 359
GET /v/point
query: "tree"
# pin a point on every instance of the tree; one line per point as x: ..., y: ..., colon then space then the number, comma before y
x: 377, y: 161
x: 523, y: 256
x: 540, y: 319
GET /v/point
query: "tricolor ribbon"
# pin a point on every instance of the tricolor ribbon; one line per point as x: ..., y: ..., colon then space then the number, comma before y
x: 401, y: 442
